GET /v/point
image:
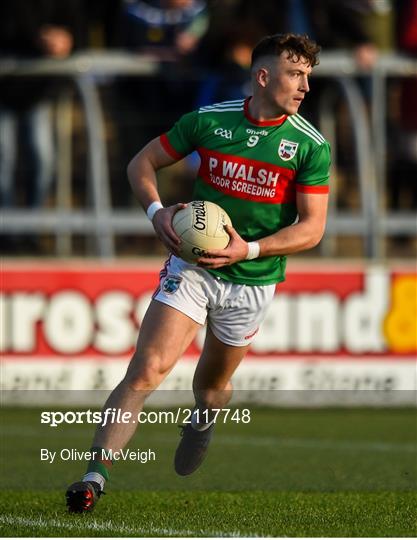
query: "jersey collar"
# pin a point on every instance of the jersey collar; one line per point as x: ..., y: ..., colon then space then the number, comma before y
x: 252, y: 120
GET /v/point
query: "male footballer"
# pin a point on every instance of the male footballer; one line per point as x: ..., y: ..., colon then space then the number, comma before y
x: 268, y: 168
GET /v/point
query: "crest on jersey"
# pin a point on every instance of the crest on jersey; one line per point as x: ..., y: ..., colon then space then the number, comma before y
x: 287, y: 149
x: 171, y: 284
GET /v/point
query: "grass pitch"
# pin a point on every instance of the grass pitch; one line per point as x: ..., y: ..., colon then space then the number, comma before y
x: 286, y: 473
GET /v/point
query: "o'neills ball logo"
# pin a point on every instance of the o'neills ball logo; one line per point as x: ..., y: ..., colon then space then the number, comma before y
x: 200, y: 214
x: 198, y: 251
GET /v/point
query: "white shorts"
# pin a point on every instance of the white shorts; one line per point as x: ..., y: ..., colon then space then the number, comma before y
x: 233, y: 311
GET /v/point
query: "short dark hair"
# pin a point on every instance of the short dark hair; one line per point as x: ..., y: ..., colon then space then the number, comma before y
x: 296, y: 45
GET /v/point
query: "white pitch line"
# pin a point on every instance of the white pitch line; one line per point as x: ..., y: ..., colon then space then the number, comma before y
x: 92, y: 525
x: 106, y: 526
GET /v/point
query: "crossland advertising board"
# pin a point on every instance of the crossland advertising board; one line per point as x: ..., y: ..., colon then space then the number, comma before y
x: 333, y: 332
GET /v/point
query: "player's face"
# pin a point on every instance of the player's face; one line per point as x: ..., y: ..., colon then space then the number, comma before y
x: 287, y: 83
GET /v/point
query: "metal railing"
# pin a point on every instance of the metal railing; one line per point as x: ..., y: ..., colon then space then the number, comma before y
x: 372, y: 222
x: 363, y: 223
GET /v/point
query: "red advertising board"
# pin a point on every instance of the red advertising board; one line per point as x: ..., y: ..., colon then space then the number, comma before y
x: 93, y: 309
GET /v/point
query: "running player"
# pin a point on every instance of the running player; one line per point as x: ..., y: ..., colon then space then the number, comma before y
x: 265, y: 165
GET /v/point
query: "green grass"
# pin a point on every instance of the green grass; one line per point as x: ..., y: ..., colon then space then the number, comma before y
x: 311, y: 472
x: 36, y: 513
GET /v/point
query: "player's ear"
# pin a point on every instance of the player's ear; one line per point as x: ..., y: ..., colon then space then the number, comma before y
x: 262, y: 77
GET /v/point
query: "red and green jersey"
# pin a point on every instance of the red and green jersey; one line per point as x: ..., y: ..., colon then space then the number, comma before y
x: 253, y: 170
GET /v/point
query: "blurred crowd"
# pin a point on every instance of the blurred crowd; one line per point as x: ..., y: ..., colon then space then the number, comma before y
x: 204, y: 47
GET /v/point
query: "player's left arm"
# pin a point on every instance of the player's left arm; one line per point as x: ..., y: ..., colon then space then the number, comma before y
x: 303, y: 235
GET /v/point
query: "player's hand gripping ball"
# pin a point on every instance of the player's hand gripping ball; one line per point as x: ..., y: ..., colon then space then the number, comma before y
x: 201, y: 227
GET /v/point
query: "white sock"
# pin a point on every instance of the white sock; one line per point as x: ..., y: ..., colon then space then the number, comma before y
x: 95, y: 477
x: 199, y: 426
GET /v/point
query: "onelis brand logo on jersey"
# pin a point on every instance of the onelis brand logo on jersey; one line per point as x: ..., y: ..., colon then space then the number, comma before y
x: 287, y: 149
x: 226, y: 133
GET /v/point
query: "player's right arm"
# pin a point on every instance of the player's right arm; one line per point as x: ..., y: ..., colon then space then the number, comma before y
x: 141, y: 173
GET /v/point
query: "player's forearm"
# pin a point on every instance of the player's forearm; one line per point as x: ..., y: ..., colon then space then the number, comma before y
x: 142, y: 177
x: 298, y: 237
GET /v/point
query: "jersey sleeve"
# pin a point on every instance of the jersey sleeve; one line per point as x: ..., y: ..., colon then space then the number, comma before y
x: 313, y: 176
x: 181, y: 139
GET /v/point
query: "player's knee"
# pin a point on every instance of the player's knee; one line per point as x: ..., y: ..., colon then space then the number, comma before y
x: 146, y: 372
